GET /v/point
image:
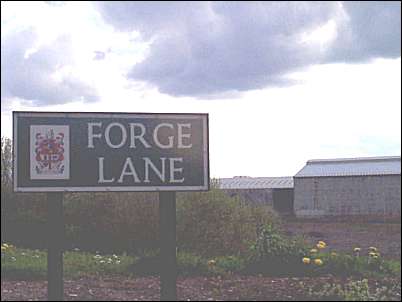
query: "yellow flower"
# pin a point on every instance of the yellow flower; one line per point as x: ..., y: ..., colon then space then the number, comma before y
x: 318, y: 262
x: 306, y: 260
x: 3, y: 248
x: 211, y: 262
x: 372, y: 254
x: 356, y: 249
x: 313, y: 251
x: 373, y: 249
x: 320, y: 246
x: 5, y: 245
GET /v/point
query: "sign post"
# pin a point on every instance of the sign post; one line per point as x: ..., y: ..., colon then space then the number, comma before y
x: 167, y: 231
x: 55, y: 288
x: 58, y: 152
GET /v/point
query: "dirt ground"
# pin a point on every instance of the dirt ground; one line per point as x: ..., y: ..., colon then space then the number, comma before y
x: 339, y: 236
x: 343, y: 236
x: 232, y: 288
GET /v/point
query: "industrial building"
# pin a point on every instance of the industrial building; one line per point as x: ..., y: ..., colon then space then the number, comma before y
x: 369, y: 186
x: 273, y: 191
x: 350, y: 186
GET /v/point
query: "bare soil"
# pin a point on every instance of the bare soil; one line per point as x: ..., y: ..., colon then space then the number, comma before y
x: 232, y: 288
x: 339, y: 236
x: 345, y: 236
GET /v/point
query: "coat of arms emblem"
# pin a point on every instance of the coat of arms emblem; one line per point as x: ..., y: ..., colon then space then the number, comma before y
x: 49, y: 152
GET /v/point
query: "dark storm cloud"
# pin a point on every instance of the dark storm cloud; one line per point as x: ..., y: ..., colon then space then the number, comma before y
x: 205, y: 48
x: 29, y: 77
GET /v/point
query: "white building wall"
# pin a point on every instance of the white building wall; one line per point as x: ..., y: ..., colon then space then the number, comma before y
x: 351, y: 195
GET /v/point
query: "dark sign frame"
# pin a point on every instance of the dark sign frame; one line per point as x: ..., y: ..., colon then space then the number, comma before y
x: 122, y: 115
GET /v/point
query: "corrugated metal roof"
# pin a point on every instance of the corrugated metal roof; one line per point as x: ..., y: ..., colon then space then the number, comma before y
x: 244, y: 182
x: 389, y: 165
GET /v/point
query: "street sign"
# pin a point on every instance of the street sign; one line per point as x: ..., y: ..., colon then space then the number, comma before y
x: 57, y: 152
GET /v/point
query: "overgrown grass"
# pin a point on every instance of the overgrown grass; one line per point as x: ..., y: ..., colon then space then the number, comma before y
x: 366, y: 263
x: 22, y: 264
x: 277, y: 255
x: 25, y: 264
x: 363, y: 266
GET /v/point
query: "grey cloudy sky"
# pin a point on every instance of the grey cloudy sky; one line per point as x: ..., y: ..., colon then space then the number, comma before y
x: 212, y: 47
x: 321, y: 78
x: 29, y: 77
x: 207, y: 48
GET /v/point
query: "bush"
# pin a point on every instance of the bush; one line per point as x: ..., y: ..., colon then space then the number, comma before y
x: 215, y: 224
x: 108, y: 222
x: 210, y: 223
x: 344, y: 265
x: 112, y: 222
x: 276, y: 254
x: 23, y: 219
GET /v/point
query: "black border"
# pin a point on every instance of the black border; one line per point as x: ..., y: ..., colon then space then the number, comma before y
x: 14, y: 156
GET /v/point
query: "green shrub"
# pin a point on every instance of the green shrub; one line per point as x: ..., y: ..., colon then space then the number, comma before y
x: 112, y: 222
x: 344, y: 265
x: 276, y: 254
x: 209, y: 223
x: 215, y: 224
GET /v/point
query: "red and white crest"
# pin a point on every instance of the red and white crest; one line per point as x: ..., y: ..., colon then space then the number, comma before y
x: 49, y: 152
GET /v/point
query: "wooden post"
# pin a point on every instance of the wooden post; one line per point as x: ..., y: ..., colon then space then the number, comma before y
x: 167, y: 233
x: 55, y: 288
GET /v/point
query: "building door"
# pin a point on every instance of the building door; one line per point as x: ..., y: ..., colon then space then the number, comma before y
x: 283, y: 201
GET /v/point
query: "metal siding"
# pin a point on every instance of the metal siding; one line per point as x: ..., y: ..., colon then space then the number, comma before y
x: 304, y: 196
x: 352, y: 167
x: 360, y: 195
x: 256, y: 182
